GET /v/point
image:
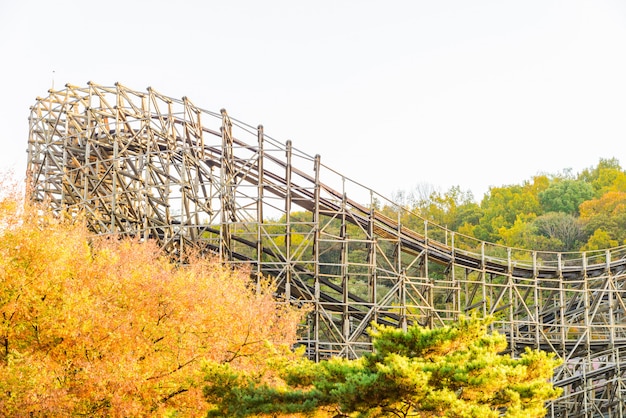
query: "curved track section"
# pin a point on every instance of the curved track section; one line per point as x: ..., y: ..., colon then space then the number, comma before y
x: 143, y: 164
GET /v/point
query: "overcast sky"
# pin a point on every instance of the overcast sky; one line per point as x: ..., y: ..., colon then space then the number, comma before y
x: 393, y: 94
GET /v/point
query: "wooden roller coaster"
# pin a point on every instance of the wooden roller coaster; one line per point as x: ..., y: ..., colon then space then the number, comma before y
x: 143, y: 164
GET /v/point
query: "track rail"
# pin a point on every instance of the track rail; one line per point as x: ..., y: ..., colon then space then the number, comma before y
x: 143, y: 164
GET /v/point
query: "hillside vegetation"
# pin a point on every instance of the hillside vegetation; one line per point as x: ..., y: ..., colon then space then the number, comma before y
x: 550, y: 212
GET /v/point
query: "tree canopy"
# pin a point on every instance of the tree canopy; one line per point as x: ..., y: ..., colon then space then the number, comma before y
x: 111, y: 327
x: 550, y: 212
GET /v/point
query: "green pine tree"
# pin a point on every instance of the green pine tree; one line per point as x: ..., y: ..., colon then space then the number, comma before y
x: 452, y: 371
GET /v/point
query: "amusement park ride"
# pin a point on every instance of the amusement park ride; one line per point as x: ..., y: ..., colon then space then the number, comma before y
x: 139, y: 163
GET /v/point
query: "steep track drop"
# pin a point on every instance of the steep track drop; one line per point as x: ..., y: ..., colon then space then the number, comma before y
x: 143, y: 164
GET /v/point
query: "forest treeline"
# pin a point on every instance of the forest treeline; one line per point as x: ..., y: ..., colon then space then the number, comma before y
x: 549, y: 212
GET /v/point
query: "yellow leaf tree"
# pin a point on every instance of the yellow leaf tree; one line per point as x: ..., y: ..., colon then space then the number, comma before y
x: 110, y: 327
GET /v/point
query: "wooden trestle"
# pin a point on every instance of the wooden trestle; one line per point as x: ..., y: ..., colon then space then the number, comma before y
x: 143, y: 164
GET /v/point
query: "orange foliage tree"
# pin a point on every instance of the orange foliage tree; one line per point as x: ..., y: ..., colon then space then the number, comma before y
x: 605, y: 220
x: 109, y: 327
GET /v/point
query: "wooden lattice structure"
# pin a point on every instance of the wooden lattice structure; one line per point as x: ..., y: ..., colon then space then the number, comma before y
x: 143, y: 164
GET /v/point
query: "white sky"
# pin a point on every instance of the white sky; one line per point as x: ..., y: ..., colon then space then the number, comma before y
x: 393, y: 94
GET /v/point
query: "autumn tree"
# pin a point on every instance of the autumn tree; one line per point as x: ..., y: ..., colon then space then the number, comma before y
x: 503, y: 206
x: 605, y: 219
x: 607, y: 176
x: 452, y: 208
x: 110, y: 327
x: 452, y: 371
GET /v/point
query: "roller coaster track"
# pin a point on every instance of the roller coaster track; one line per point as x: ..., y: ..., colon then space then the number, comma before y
x: 142, y: 164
